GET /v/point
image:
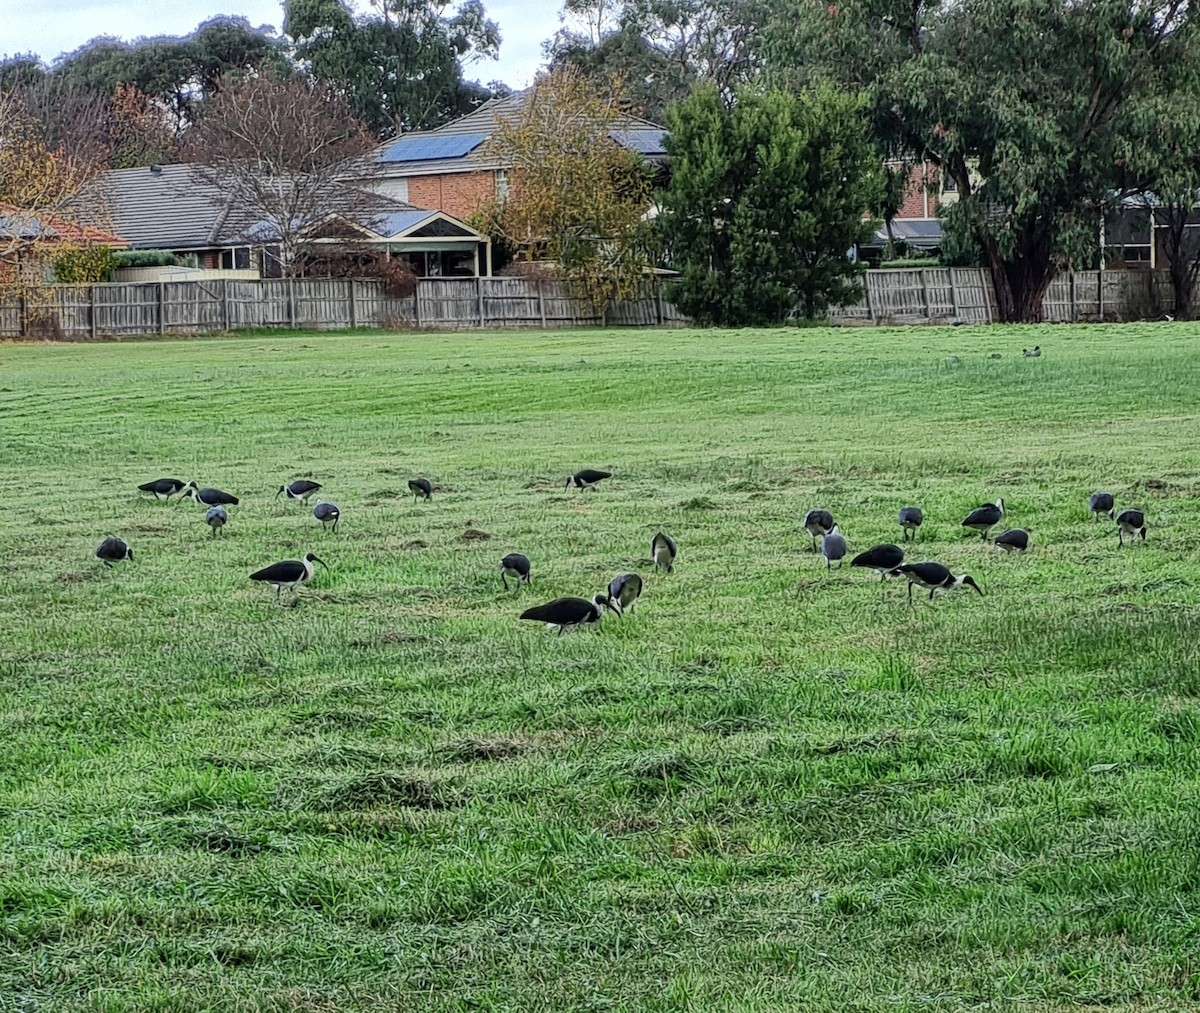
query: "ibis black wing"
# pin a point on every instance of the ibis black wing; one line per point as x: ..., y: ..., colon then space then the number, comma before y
x: 911, y: 515
x: 561, y: 611
x: 590, y: 475
x: 981, y: 515
x: 1132, y: 518
x: 112, y: 548
x: 880, y: 557
x: 516, y: 562
x: 930, y: 574
x: 287, y: 572
x: 1018, y: 538
x: 303, y: 485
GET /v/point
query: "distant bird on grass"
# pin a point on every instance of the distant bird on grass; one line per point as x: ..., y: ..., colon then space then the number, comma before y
x: 833, y: 548
x: 300, y: 489
x: 818, y: 523
x: 1032, y: 353
x: 421, y: 488
x: 623, y: 593
x: 216, y: 518
x: 1130, y: 522
x: 911, y: 519
x: 163, y: 488
x: 1101, y: 503
x: 586, y: 479
x: 328, y: 514
x: 934, y: 576
x: 287, y: 575
x: 880, y: 558
x: 984, y: 518
x: 517, y: 566
x: 207, y: 497
x: 113, y: 550
x: 1012, y: 540
x: 663, y: 551
x: 564, y: 612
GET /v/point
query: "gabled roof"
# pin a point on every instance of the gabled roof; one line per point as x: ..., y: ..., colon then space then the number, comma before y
x: 17, y: 223
x: 164, y: 207
x: 458, y: 146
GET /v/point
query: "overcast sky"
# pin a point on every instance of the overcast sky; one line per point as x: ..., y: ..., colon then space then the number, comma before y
x: 51, y: 27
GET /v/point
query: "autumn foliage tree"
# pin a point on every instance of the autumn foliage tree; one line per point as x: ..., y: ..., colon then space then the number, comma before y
x: 576, y: 199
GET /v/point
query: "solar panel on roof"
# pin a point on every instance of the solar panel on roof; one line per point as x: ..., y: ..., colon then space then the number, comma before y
x: 427, y: 148
x: 647, y: 142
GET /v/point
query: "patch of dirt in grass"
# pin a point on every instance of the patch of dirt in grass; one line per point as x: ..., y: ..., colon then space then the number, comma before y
x: 150, y: 529
x: 472, y: 750
x: 224, y: 841
x: 388, y: 789
x: 698, y: 503
x: 474, y: 535
x: 1156, y: 485
x: 415, y: 544
x: 880, y: 740
x: 77, y: 576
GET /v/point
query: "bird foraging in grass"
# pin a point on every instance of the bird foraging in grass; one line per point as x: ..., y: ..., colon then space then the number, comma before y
x: 934, y: 576
x: 663, y: 551
x: 163, y: 488
x: 216, y: 518
x: 880, y: 558
x: 300, y: 489
x: 1012, y: 540
x: 207, y: 497
x: 1101, y: 504
x: 911, y: 519
x: 517, y: 566
x: 984, y: 518
x: 818, y: 523
x: 833, y: 548
x: 586, y: 479
x: 290, y: 573
x: 1032, y: 353
x: 328, y: 514
x: 623, y: 593
x: 565, y: 612
x: 1130, y: 522
x: 421, y: 488
x: 114, y: 550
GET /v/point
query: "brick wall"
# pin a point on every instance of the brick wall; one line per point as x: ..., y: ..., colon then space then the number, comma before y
x: 456, y: 193
x: 919, y: 201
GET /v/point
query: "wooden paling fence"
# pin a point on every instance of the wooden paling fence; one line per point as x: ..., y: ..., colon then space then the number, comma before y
x: 193, y: 307
x: 965, y: 295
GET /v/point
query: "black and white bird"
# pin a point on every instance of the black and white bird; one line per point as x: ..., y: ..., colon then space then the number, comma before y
x: 113, y: 550
x: 984, y: 518
x: 934, y: 576
x: 1101, y: 503
x: 833, y: 548
x: 1012, y: 540
x: 421, y: 488
x: 911, y: 518
x: 1130, y: 522
x: 623, y: 593
x: 515, y: 565
x: 300, y: 489
x: 328, y: 514
x: 586, y: 479
x: 564, y: 612
x: 287, y: 575
x: 207, y: 497
x: 1032, y: 353
x: 163, y: 488
x: 880, y: 558
x: 818, y: 523
x: 216, y: 518
x: 663, y: 551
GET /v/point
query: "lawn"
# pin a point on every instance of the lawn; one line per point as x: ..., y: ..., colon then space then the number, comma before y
x: 773, y: 788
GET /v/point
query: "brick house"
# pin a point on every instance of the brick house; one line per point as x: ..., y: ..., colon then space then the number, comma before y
x: 448, y: 169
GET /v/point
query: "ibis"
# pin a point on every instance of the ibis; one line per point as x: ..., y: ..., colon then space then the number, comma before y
x: 163, y: 488
x: 287, y: 575
x: 984, y: 518
x: 663, y: 551
x: 910, y: 519
x: 1101, y: 503
x: 564, y: 612
x: 514, y: 565
x: 216, y: 518
x: 1032, y: 353
x: 833, y: 548
x: 818, y: 523
x: 934, y: 576
x: 586, y: 479
x: 421, y: 488
x: 113, y: 550
x: 207, y: 497
x: 300, y: 489
x: 880, y: 558
x: 623, y: 593
x: 327, y: 513
x: 1012, y: 540
x: 1130, y: 522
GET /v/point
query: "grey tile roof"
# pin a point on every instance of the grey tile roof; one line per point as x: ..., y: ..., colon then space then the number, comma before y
x: 164, y: 207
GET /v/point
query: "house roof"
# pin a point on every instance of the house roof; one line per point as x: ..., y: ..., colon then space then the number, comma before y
x: 919, y: 233
x: 17, y: 223
x: 164, y: 207
x: 458, y: 146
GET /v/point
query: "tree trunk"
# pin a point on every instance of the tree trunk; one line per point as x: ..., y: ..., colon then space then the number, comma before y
x: 1182, y: 279
x: 1021, y: 281
x: 890, y: 249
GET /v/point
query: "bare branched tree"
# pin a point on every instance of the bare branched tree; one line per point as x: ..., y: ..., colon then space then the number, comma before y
x: 289, y: 159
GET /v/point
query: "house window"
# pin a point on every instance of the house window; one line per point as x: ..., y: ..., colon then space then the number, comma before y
x: 236, y: 259
x: 272, y: 262
x: 457, y: 264
x: 395, y: 187
x: 501, y: 185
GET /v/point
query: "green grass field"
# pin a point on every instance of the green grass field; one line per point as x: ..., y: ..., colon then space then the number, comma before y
x: 771, y: 789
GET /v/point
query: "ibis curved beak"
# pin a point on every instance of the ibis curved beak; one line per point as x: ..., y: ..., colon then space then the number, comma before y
x: 321, y: 561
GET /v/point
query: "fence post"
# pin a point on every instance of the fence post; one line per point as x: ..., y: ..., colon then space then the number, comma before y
x: 353, y: 312
x: 479, y: 297
x: 291, y: 303
x: 658, y: 310
x: 867, y: 295
x: 541, y: 303
x: 417, y: 305
x: 1073, y: 309
x: 924, y: 293
x: 158, y: 300
x: 92, y: 312
x: 1100, y: 295
x: 22, y: 314
x: 953, y: 293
